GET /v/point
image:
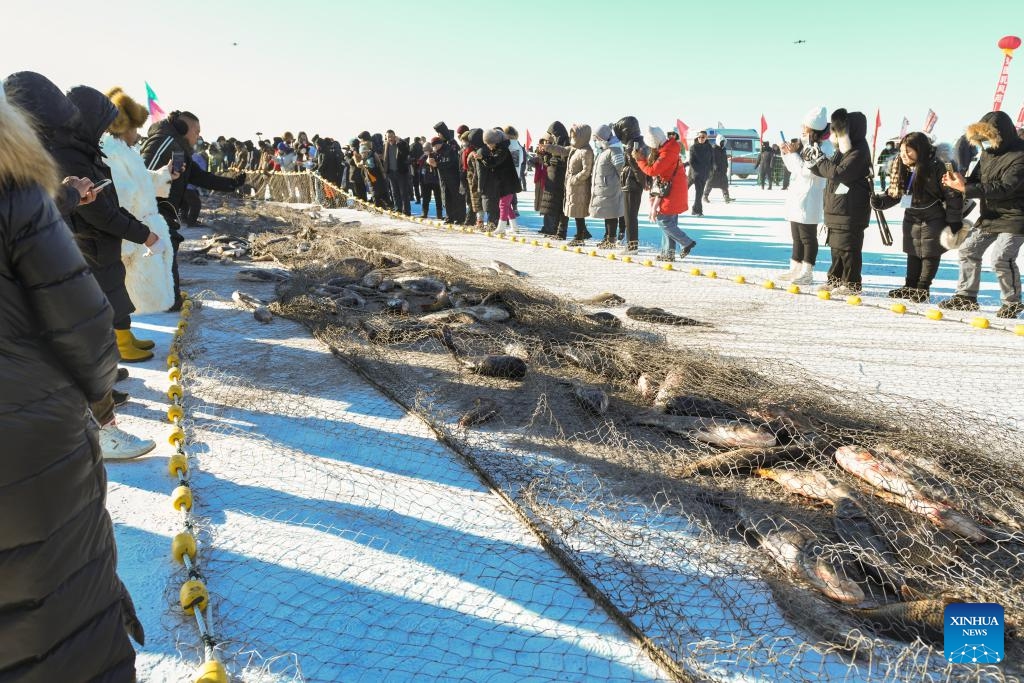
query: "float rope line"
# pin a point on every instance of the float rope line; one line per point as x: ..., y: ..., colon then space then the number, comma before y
x: 193, y: 597
x: 978, y: 322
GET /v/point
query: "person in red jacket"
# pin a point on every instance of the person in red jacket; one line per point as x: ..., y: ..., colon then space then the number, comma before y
x: 669, y: 193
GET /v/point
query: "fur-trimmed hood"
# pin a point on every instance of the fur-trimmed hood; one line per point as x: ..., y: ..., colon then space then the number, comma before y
x: 558, y: 134
x: 997, y: 129
x: 579, y: 136
x: 130, y: 114
x: 38, y: 97
x: 98, y: 112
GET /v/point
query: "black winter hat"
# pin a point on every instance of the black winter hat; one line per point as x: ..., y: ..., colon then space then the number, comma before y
x: 840, y: 121
x: 627, y: 129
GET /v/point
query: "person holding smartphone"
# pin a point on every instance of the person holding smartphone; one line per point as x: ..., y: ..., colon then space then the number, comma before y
x: 172, y: 140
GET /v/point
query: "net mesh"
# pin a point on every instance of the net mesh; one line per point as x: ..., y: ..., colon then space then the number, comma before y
x: 740, y: 517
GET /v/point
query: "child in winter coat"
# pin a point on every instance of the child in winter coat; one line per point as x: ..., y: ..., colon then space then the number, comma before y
x: 499, y: 176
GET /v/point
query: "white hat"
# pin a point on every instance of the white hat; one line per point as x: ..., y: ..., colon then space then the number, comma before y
x: 816, y: 118
x: 654, y: 137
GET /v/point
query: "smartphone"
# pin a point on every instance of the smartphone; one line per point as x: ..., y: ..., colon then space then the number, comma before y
x: 949, y: 168
x: 782, y: 135
x: 178, y: 162
x: 100, y: 185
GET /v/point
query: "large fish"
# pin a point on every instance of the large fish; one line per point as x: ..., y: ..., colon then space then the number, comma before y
x: 589, y: 359
x: 506, y: 269
x: 658, y: 315
x: 797, y: 551
x: 593, y: 399
x: 909, y: 620
x: 869, y: 548
x: 809, y: 483
x: 603, y: 299
x: 940, y: 514
x: 726, y: 433
x: 739, y: 461
x: 502, y: 366
x: 483, y: 409
x: 481, y: 313
x: 675, y: 381
x: 420, y: 285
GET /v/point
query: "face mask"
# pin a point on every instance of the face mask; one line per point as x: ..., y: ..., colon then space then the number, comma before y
x: 806, y: 139
x: 985, y: 144
x: 844, y: 143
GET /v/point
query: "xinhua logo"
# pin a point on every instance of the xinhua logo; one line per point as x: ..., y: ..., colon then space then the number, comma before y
x: 974, y: 633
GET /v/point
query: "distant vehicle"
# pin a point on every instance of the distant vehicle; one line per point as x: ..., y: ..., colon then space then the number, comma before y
x: 743, y: 145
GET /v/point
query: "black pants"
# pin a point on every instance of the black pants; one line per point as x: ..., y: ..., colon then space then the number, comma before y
x: 699, y: 181
x: 786, y: 175
x: 427, y: 191
x: 193, y: 205
x: 805, y: 242
x: 401, y: 190
x: 847, y: 259
x: 708, y: 188
x: 556, y: 224
x: 611, y: 227
x: 454, y: 203
x: 490, y: 205
x: 169, y: 214
x: 359, y: 188
x: 921, y: 271
x: 581, y: 229
x: 629, y: 225
x: 417, y: 188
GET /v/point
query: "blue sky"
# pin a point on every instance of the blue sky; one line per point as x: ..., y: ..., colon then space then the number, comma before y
x: 341, y: 67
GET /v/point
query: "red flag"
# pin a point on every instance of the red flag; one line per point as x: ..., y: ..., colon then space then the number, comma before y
x: 878, y: 124
x: 529, y: 139
x: 764, y: 126
x: 684, y: 130
x: 930, y: 121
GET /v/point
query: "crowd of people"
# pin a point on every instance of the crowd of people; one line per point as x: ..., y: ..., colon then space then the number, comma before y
x: 90, y: 219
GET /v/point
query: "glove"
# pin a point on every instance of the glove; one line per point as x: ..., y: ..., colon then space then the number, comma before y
x: 814, y: 155
x: 240, y: 180
x: 156, y: 248
x: 955, y: 227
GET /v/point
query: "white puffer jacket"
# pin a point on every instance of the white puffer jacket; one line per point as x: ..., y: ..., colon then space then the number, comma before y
x: 805, y: 201
x: 148, y: 278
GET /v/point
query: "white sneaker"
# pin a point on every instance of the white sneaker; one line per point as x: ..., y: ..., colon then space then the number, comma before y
x: 794, y: 271
x: 116, y: 444
x: 512, y: 227
x: 805, y: 276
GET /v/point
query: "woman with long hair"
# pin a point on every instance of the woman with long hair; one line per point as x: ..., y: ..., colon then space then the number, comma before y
x: 66, y: 614
x: 915, y: 182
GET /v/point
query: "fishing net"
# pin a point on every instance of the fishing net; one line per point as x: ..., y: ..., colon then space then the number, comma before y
x: 741, y: 517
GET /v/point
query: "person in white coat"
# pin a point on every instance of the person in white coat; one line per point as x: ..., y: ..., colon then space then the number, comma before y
x: 606, y: 199
x: 147, y: 269
x: 805, y: 199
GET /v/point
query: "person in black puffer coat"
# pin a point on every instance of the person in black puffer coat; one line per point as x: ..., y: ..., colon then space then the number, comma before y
x: 499, y: 177
x: 702, y: 160
x: 847, y: 198
x: 552, y: 199
x: 998, y: 182
x: 916, y: 174
x: 65, y: 611
x: 633, y: 180
x: 448, y: 162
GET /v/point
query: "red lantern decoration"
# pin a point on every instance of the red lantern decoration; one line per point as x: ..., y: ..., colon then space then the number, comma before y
x: 1008, y: 44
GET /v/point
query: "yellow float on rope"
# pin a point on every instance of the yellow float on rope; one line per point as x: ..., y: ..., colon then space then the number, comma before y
x: 174, y: 412
x: 933, y: 314
x: 578, y: 250
x: 627, y: 259
x: 172, y: 360
x: 980, y: 323
x: 547, y: 245
x: 610, y: 257
x: 178, y: 463
x: 175, y: 392
x: 695, y: 271
x: 853, y: 300
x: 176, y: 437
x: 739, y: 279
x: 648, y: 263
x: 1019, y: 330
x: 769, y: 284
x: 793, y: 289
x: 181, y: 498
x: 193, y: 594
x: 899, y: 309
x: 174, y: 374
x: 712, y: 274
x: 824, y: 295
x: 564, y: 248
x: 181, y: 545
x: 667, y: 266
x: 212, y: 671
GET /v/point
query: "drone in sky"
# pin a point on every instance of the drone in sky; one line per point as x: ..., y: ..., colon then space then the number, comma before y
x: 799, y: 42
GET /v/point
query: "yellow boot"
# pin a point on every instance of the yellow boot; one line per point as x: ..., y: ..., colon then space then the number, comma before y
x: 129, y: 352
x: 144, y: 344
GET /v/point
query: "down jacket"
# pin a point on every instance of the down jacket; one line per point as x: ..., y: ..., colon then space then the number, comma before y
x: 499, y: 176
x: 100, y: 226
x: 578, y: 168
x: 805, y: 201
x: 669, y: 166
x: 552, y: 196
x: 62, y: 607
x: 147, y: 278
x: 847, y: 186
x: 998, y: 179
x: 606, y: 199
x: 934, y: 207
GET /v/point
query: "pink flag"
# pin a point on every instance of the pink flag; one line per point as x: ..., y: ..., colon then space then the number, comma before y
x: 155, y: 112
x: 878, y: 124
x: 929, y: 121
